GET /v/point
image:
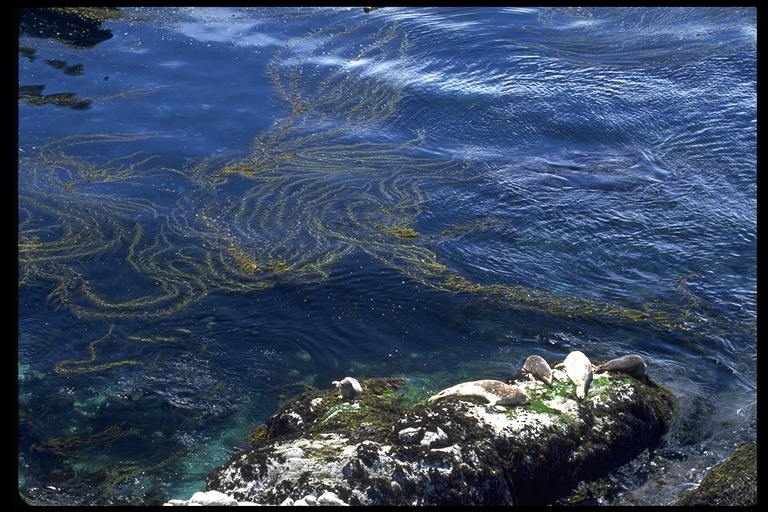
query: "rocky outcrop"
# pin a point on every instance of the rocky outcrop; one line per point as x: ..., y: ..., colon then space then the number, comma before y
x: 390, y: 447
x: 732, y: 483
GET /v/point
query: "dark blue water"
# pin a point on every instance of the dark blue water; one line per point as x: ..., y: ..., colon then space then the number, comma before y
x: 220, y: 207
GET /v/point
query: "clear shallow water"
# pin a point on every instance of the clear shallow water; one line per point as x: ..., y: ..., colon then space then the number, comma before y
x: 233, y: 204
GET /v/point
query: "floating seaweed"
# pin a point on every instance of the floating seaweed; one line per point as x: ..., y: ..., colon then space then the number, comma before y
x: 313, y: 189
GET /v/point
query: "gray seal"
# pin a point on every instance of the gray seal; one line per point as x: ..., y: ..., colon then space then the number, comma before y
x: 537, y: 367
x: 349, y: 388
x: 494, y: 392
x: 631, y: 364
x: 579, y: 369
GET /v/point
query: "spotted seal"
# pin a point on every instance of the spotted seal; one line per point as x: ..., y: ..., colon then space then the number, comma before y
x: 494, y: 391
x: 631, y: 364
x: 348, y: 387
x: 536, y: 367
x: 579, y: 369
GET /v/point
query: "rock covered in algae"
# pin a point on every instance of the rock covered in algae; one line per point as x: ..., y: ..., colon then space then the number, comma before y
x: 380, y: 450
x: 731, y: 483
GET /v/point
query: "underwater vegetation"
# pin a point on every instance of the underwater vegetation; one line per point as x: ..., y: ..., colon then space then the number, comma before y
x: 311, y: 190
x: 321, y: 184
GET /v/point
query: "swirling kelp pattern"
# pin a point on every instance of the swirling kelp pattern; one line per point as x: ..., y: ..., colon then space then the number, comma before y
x: 319, y: 184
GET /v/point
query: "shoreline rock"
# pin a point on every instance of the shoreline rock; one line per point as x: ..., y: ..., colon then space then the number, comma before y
x: 387, y: 448
x: 731, y: 483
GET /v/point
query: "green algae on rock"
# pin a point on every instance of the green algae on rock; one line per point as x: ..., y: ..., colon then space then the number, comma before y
x: 734, y: 482
x: 379, y: 450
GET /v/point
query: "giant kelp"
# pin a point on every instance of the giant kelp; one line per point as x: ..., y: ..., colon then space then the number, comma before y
x: 82, y: 437
x: 112, y: 228
x: 320, y: 183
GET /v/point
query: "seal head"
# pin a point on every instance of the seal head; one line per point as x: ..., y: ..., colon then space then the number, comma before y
x: 349, y: 388
x: 494, y: 392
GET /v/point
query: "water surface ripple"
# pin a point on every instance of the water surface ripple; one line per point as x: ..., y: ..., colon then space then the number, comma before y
x: 221, y: 207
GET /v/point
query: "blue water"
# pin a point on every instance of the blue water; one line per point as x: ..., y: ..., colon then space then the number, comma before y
x: 234, y: 204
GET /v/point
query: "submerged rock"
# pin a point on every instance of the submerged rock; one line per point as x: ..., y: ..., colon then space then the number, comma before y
x: 456, y: 451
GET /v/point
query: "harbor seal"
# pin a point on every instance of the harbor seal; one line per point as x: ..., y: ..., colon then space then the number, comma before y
x: 494, y: 392
x: 579, y: 370
x: 631, y: 364
x: 536, y: 367
x: 349, y: 388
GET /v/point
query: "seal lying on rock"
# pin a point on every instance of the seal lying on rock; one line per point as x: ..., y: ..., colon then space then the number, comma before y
x: 632, y: 365
x: 494, y: 391
x: 537, y: 367
x: 349, y: 388
x: 579, y: 369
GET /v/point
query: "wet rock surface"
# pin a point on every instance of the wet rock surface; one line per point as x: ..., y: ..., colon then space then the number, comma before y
x: 390, y: 447
x: 732, y: 483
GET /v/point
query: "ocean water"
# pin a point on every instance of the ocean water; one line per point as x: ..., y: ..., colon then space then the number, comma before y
x: 221, y: 207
